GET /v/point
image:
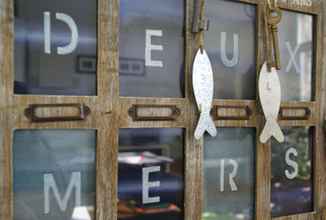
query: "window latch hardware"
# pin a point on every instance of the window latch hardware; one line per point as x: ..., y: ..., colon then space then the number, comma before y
x: 57, y: 112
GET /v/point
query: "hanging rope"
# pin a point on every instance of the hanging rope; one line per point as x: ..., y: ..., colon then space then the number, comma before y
x: 202, y: 21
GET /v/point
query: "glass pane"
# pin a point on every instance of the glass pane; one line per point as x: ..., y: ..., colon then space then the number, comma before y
x: 292, y: 181
x: 229, y: 175
x: 151, y: 48
x: 151, y: 174
x: 55, y: 47
x: 231, y: 46
x: 296, y: 56
x: 54, y: 174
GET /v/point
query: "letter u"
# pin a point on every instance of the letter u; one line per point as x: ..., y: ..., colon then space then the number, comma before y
x: 235, y: 59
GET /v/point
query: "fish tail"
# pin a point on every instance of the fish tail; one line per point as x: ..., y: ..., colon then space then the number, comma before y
x: 211, y: 128
x: 271, y: 129
x: 205, y: 123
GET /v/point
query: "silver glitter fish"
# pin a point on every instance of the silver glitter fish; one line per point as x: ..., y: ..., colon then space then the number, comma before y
x: 203, y: 86
x: 270, y: 99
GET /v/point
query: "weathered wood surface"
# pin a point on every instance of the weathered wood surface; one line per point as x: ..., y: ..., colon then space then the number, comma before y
x: 109, y: 112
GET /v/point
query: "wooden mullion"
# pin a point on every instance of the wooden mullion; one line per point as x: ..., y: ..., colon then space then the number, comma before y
x: 234, y: 102
x: 263, y: 176
x: 303, y: 216
x: 108, y: 91
x: 6, y: 76
x: 194, y: 174
x: 318, y: 169
x: 193, y: 148
x: 319, y: 140
x: 315, y: 7
x: 319, y: 151
x: 7, y: 185
x: 236, y: 124
x: 107, y: 170
x: 321, y: 165
x: 2, y: 182
x: 263, y: 151
x: 3, y: 117
x: 299, y: 103
x: 150, y: 100
x: 255, y: 2
x: 320, y: 45
x: 57, y: 125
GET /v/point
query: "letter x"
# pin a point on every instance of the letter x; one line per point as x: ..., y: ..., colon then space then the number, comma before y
x: 292, y: 57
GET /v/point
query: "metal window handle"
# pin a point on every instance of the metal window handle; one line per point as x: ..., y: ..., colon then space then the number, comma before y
x: 154, y: 112
x: 306, y: 113
x: 57, y: 112
x: 243, y: 112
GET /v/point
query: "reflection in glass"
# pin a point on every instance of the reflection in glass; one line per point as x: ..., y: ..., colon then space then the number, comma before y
x: 151, y: 170
x: 229, y: 174
x: 151, y: 48
x: 231, y: 46
x: 55, y: 47
x: 296, y: 56
x: 54, y: 174
x: 292, y: 187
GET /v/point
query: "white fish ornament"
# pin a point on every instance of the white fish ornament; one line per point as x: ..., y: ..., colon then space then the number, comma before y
x: 270, y: 99
x: 203, y: 86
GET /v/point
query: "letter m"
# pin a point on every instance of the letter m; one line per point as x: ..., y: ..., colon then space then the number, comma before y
x: 49, y: 183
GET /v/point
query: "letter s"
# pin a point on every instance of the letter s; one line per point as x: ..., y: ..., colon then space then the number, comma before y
x: 291, y: 163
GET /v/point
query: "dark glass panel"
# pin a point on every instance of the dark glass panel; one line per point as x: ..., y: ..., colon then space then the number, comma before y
x: 151, y: 48
x: 151, y: 174
x: 231, y: 46
x: 292, y: 177
x: 296, y: 56
x: 55, y: 47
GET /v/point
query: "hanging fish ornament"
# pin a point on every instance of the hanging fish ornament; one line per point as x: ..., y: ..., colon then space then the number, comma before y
x: 270, y: 99
x: 203, y: 86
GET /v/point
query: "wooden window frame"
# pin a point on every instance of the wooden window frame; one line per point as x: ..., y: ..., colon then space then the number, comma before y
x: 109, y: 113
x: 102, y: 119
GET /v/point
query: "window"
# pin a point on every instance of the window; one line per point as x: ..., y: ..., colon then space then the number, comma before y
x: 97, y: 114
x: 49, y: 33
